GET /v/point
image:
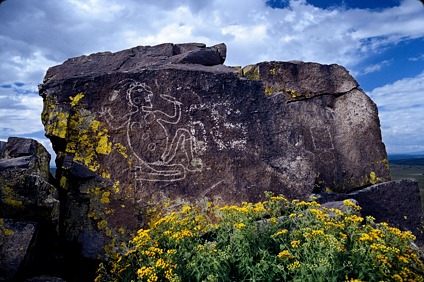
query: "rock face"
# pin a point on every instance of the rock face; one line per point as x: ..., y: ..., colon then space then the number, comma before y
x: 395, y: 202
x: 29, y: 203
x: 16, y: 240
x: 135, y: 128
x: 26, y: 191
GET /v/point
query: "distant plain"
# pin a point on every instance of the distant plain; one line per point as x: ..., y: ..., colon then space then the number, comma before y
x: 408, y: 167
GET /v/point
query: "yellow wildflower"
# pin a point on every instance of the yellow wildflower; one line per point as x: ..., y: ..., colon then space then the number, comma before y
x: 318, y: 232
x: 281, y: 232
x: 273, y: 220
x: 182, y: 234
x: 171, y: 251
x: 294, y: 265
x: 186, y: 209
x: 354, y: 218
x: 349, y: 203
x: 278, y: 198
x: 259, y: 207
x: 240, y: 225
x: 365, y: 237
x: 285, y: 254
x: 344, y: 236
x: 396, y: 277
x: 160, y: 263
x: 403, y: 259
x: 144, y: 271
x: 295, y: 243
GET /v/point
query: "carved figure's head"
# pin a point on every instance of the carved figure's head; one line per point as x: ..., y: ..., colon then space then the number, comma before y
x: 139, y: 95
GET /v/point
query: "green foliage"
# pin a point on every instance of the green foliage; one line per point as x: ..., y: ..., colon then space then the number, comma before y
x: 274, y: 240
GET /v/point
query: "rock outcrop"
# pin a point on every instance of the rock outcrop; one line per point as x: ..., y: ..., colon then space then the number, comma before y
x: 395, y: 202
x: 135, y: 128
x: 27, y: 191
x: 29, y: 204
x: 16, y: 243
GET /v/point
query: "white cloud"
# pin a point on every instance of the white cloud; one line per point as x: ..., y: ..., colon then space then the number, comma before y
x: 401, y: 113
x: 377, y: 67
x: 417, y: 58
x: 20, y: 113
x: 251, y: 30
x: 97, y: 9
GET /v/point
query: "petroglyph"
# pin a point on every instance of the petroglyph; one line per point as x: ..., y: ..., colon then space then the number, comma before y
x: 322, y: 138
x: 220, y: 113
x: 162, y: 146
x: 158, y: 148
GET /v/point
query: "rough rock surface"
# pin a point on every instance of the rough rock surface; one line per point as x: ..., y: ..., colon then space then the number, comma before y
x: 135, y: 128
x: 25, y: 189
x: 16, y: 240
x: 29, y: 205
x: 396, y: 202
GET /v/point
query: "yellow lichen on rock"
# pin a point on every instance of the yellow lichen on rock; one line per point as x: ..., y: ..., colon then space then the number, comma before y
x: 103, y: 146
x: 75, y: 100
x: 116, y: 186
x: 105, y: 198
x: 373, y: 177
x: 121, y: 149
x: 250, y: 72
x: 9, y: 197
x: 4, y: 230
x: 58, y: 124
x: 87, y: 137
x: 55, y: 119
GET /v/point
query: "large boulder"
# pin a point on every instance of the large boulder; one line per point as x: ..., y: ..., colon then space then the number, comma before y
x: 136, y: 128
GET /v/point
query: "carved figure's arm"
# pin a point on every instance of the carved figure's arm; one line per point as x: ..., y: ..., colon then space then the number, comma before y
x: 173, y: 119
x: 112, y: 121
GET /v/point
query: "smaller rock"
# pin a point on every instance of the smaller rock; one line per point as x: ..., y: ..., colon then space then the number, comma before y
x: 2, y: 146
x: 16, y: 240
x: 339, y: 205
x: 207, y: 56
x: 395, y: 202
x: 18, y: 147
x: 19, y: 162
x: 187, y: 47
x: 26, y: 193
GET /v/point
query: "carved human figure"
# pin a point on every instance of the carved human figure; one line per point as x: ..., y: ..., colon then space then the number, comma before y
x: 161, y: 145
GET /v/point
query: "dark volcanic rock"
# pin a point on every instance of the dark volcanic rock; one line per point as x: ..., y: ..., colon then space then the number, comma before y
x: 134, y: 128
x: 396, y: 202
x: 25, y: 189
x: 29, y: 206
x: 16, y: 240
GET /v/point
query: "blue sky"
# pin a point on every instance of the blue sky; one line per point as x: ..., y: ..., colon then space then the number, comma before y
x: 381, y: 43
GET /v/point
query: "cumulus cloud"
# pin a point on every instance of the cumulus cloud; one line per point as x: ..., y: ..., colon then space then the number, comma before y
x: 417, y: 58
x: 401, y: 111
x: 35, y: 35
x: 20, y: 113
x: 376, y: 67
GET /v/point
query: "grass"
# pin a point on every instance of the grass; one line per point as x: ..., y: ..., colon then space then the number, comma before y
x: 415, y: 172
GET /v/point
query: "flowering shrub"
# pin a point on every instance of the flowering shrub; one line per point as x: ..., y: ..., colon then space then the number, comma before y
x: 274, y: 240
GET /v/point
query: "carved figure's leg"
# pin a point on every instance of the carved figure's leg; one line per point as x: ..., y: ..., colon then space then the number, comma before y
x: 183, y: 140
x: 159, y: 172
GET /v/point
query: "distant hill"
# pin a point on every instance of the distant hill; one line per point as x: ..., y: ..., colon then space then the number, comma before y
x: 409, y: 156
x: 407, y: 159
x: 418, y: 161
